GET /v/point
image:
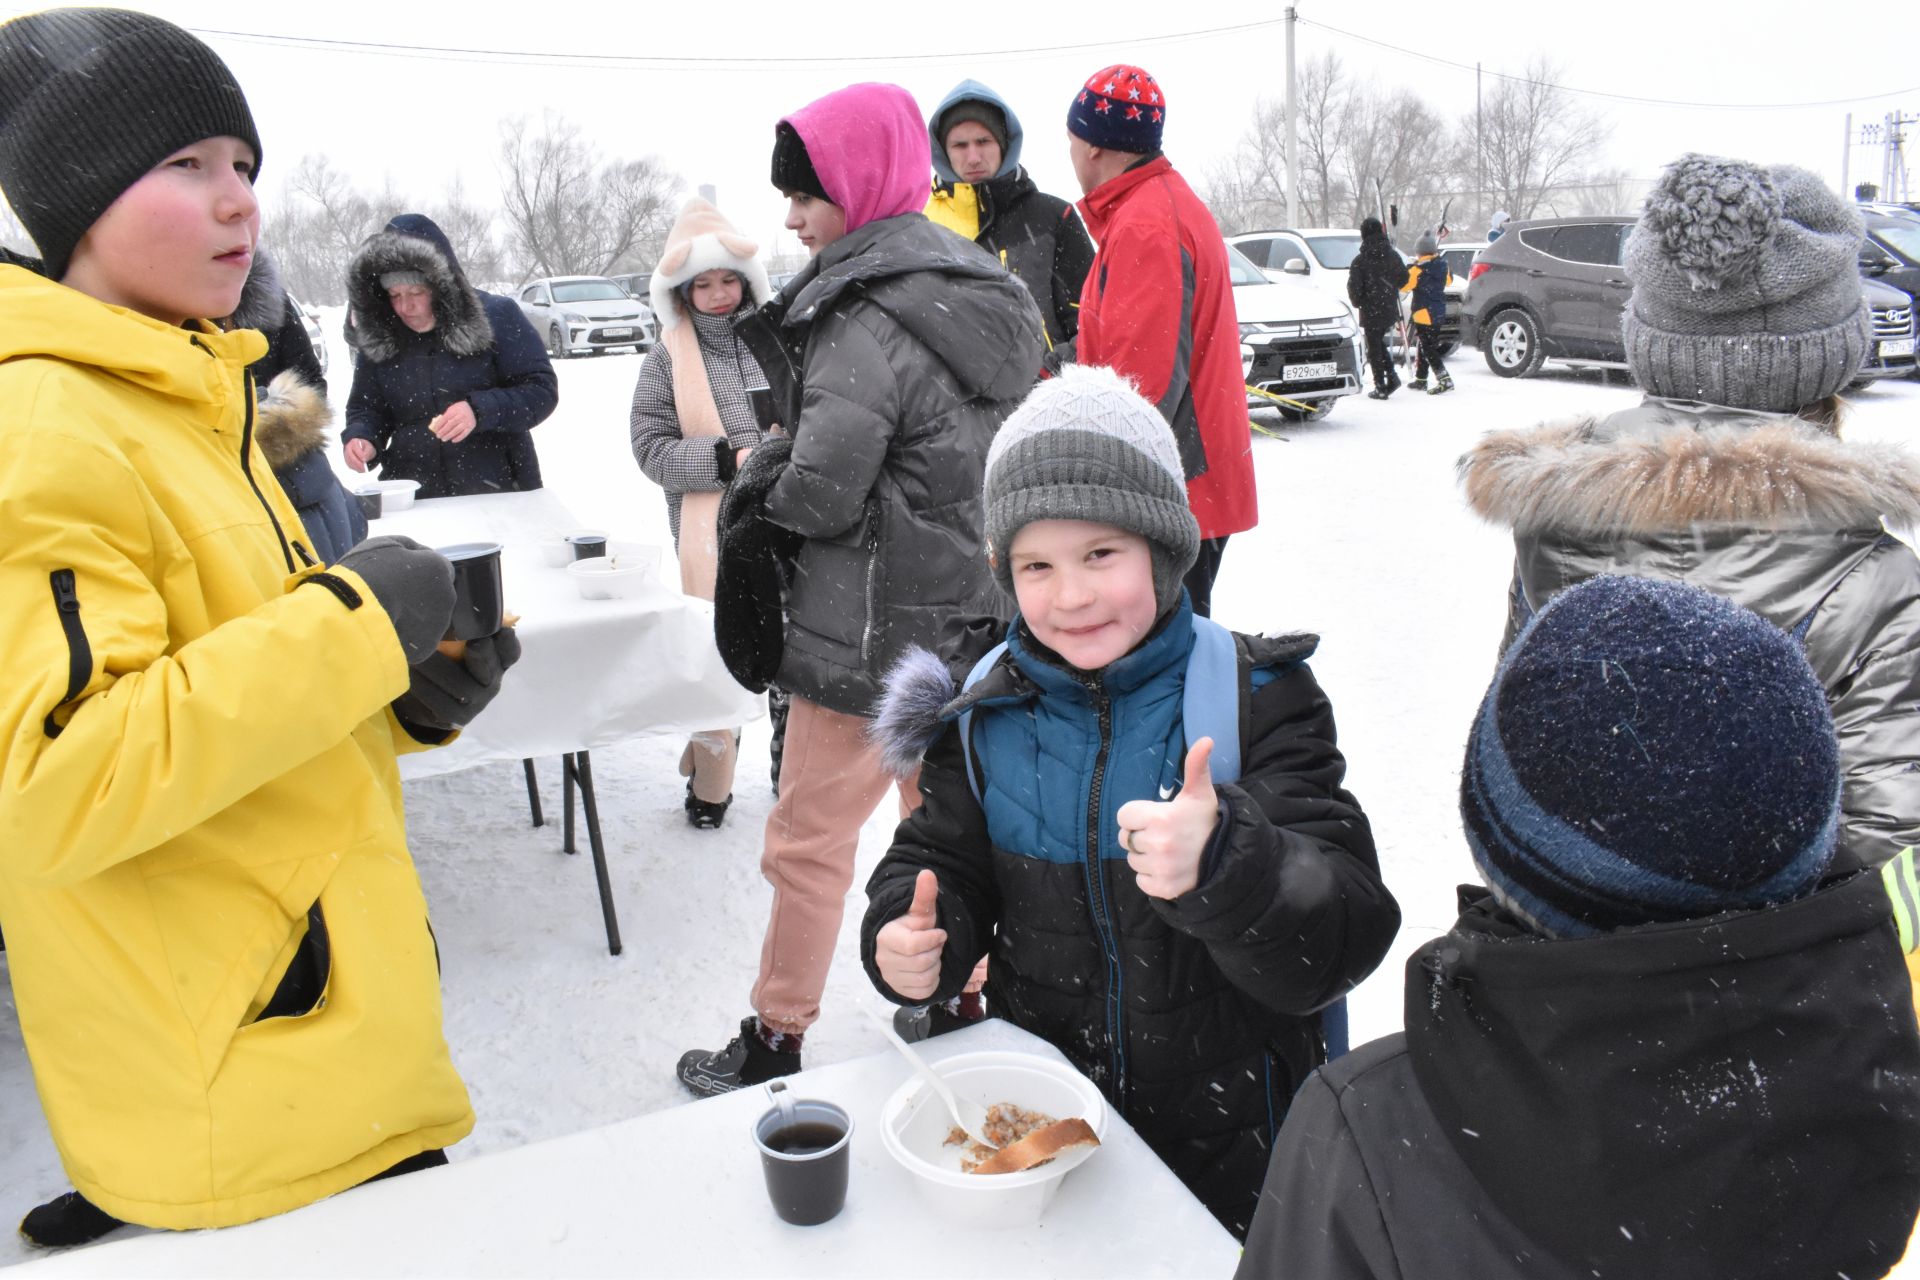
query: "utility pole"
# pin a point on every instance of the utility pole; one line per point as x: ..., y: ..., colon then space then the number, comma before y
x: 1846, y: 157
x: 1479, y: 152
x: 1293, y: 129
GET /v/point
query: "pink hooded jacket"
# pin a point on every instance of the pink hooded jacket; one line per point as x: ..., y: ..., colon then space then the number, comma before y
x: 868, y: 145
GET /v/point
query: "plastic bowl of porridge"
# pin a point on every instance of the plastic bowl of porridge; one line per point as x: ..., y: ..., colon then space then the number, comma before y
x: 914, y: 1128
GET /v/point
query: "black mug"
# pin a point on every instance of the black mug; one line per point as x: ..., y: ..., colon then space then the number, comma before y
x: 588, y: 545
x: 804, y: 1146
x: 479, y: 598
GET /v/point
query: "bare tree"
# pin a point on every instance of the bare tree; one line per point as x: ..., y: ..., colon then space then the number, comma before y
x: 1601, y: 191
x: 1534, y: 138
x: 321, y: 220
x: 569, y: 213
x: 469, y: 229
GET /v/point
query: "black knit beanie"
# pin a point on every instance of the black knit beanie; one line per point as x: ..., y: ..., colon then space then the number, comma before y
x: 90, y: 100
x: 792, y: 166
x: 984, y: 114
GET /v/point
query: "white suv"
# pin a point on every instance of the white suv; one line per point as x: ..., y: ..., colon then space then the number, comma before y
x: 1320, y: 254
x: 1295, y: 342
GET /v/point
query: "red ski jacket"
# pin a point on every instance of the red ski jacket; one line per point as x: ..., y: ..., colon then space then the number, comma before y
x: 1158, y: 306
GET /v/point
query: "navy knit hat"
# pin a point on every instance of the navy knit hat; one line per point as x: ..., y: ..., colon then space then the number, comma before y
x: 1649, y: 751
x: 1120, y: 107
x: 90, y: 100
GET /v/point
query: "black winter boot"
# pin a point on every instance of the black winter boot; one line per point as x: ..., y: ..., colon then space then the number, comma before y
x: 1418, y: 384
x: 705, y: 815
x: 747, y: 1060
x: 65, y: 1221
x: 1442, y: 383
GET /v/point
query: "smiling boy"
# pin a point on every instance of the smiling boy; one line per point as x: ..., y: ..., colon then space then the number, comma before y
x: 1172, y: 929
x: 217, y: 940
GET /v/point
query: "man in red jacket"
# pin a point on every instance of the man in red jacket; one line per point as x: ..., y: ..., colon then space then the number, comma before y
x: 1158, y: 305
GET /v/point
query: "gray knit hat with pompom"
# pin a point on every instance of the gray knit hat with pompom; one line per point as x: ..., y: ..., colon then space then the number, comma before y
x: 1746, y: 287
x: 1087, y: 446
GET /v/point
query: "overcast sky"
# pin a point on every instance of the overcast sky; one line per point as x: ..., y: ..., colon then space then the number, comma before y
x: 422, y: 117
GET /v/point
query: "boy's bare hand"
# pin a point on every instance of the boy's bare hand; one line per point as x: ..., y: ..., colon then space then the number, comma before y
x: 907, y: 949
x: 1165, y: 839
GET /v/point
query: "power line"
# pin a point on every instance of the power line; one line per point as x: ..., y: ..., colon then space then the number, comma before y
x: 613, y: 61
x: 1601, y: 93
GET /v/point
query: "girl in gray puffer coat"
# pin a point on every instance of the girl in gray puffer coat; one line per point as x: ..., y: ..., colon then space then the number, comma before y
x: 893, y: 357
x: 1744, y: 322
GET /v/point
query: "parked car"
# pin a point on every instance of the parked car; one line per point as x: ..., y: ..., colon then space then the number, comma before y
x: 638, y: 284
x: 1556, y: 288
x: 1294, y: 341
x: 1321, y: 254
x: 1892, y: 251
x: 316, y: 332
x: 585, y: 313
x: 1459, y: 255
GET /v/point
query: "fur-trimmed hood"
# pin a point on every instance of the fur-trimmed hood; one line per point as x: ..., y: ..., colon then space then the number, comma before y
x: 1667, y: 466
x: 703, y: 240
x: 263, y: 298
x: 412, y: 242
x: 291, y: 419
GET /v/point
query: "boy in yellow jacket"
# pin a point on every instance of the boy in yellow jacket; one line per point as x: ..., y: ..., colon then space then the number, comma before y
x: 1427, y: 281
x: 218, y: 943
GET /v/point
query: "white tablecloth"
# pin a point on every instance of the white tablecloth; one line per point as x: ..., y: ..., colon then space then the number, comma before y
x: 592, y: 672
x: 680, y: 1193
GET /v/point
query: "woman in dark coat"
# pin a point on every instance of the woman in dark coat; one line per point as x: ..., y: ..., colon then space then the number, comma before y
x: 448, y: 381
x: 1373, y: 285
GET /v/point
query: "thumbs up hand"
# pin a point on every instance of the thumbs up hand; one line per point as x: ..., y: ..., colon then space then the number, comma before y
x: 1165, y: 839
x: 907, y: 948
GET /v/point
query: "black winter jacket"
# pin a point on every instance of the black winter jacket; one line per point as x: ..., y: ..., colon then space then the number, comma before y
x: 1730, y: 1099
x: 1374, y: 281
x: 1194, y: 1016
x: 1041, y: 240
x: 481, y: 350
x: 896, y: 353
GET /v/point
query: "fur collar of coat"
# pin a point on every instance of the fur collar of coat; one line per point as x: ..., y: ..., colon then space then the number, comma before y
x: 460, y: 317
x: 263, y: 298
x: 291, y: 419
x: 1670, y: 465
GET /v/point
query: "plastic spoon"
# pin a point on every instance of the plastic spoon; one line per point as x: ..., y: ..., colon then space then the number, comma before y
x: 968, y: 1114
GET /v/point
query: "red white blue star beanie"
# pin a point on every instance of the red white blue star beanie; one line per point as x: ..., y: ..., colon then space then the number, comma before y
x: 1121, y: 108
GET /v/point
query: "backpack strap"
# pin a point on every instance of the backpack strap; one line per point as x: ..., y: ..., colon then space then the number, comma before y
x: 980, y: 669
x: 1211, y: 701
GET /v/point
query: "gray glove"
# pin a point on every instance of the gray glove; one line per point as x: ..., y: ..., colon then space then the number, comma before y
x: 414, y: 584
x: 446, y: 694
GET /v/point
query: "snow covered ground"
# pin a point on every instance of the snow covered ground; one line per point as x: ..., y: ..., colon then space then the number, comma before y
x: 1363, y: 538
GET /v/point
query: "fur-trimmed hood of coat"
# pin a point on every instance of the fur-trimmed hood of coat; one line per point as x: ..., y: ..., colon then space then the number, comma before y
x: 263, y: 298
x: 412, y: 242
x: 290, y: 419
x: 1669, y: 465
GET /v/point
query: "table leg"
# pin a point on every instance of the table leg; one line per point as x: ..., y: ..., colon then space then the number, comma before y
x: 533, y: 794
x: 566, y: 804
x: 590, y: 803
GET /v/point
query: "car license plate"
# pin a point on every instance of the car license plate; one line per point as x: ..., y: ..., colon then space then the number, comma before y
x: 1896, y: 347
x: 616, y: 333
x: 1306, y: 372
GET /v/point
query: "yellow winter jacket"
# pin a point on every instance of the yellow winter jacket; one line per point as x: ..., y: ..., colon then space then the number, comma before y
x: 955, y: 206
x: 197, y: 754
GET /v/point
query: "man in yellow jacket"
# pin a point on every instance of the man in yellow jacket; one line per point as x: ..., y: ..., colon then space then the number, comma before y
x: 219, y: 947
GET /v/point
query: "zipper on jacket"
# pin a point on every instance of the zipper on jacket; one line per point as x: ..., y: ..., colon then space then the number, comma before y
x: 873, y: 565
x: 1101, y: 907
x: 66, y: 599
x: 246, y: 456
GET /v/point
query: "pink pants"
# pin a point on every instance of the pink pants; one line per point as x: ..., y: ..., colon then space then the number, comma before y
x: 830, y: 782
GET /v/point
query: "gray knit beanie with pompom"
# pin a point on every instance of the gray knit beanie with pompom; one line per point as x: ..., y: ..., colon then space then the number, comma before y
x: 1746, y: 287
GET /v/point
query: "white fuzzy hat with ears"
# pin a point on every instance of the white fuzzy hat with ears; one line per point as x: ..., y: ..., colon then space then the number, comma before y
x: 703, y: 240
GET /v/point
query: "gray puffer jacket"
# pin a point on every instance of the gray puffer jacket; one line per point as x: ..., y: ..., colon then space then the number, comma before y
x: 895, y: 355
x: 1765, y: 509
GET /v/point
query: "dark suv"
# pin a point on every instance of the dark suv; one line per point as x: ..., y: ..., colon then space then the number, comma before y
x: 1892, y: 251
x: 1555, y: 289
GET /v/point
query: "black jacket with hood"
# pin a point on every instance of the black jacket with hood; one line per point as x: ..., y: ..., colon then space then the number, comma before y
x: 896, y: 353
x: 1375, y: 278
x: 1735, y: 1098
x: 1038, y: 236
x: 481, y: 350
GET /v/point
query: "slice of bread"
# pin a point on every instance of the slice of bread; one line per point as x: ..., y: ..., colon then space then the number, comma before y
x: 1043, y: 1144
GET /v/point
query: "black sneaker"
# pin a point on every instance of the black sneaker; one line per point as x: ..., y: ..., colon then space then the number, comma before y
x: 1418, y: 384
x: 1441, y: 385
x: 745, y: 1061
x: 924, y: 1021
x: 705, y: 815
x: 1378, y: 393
x: 65, y: 1221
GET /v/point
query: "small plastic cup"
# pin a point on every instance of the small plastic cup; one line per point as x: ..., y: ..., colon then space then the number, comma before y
x: 371, y: 502
x: 479, y: 597
x: 803, y: 1146
x: 586, y: 545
